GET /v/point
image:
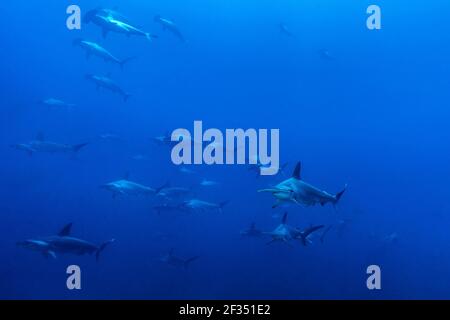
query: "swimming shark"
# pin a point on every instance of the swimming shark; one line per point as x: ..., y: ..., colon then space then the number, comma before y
x: 325, y: 54
x: 41, y: 145
x: 172, y: 193
x: 202, y: 206
x: 257, y: 168
x: 169, y: 25
x: 56, y: 103
x: 285, y: 232
x: 92, y: 48
x: 208, y: 183
x: 297, y: 191
x: 109, y: 84
x: 63, y: 243
x: 129, y: 188
x: 252, y: 231
x: 168, y: 208
x: 177, y: 262
x: 285, y: 30
x: 112, y: 23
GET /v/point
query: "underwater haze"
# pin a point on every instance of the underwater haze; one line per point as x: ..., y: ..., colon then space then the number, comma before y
x: 357, y: 107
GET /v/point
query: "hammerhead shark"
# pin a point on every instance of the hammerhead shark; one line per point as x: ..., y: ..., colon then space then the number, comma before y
x: 111, y: 22
x: 297, y: 191
x: 127, y: 187
x: 252, y: 231
x: 63, y: 242
x: 285, y: 232
x: 175, y: 261
x: 41, y: 145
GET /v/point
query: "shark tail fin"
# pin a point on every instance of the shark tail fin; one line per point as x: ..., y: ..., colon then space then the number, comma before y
x: 284, y: 219
x: 165, y: 185
x: 188, y: 261
x: 223, y: 204
x: 101, y: 248
x: 322, y: 237
x: 78, y: 147
x: 339, y: 195
x: 150, y: 36
x: 125, y: 61
x: 126, y: 96
x: 304, y: 234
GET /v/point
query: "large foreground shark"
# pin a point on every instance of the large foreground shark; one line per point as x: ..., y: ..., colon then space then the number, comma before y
x: 63, y: 243
x: 297, y: 191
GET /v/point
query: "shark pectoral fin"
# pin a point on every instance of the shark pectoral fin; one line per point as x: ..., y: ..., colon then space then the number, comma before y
x: 276, y: 204
x: 49, y: 254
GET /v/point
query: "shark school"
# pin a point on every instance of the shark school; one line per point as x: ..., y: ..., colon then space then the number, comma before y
x: 212, y: 147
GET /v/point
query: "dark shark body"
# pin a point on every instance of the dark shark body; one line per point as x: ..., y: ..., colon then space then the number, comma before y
x: 177, y: 262
x: 41, y: 145
x: 63, y: 243
x: 252, y: 231
x: 286, y: 233
x: 170, y: 26
x: 108, y: 84
x: 94, y: 49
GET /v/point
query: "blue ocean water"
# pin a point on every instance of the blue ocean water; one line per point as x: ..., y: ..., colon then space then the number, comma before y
x: 375, y: 116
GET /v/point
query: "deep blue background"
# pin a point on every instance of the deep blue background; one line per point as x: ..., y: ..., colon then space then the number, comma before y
x: 376, y: 118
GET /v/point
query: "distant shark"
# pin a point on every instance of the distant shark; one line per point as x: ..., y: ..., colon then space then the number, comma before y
x: 127, y: 187
x: 107, y: 83
x: 171, y: 193
x: 177, y: 262
x: 252, y: 231
x: 41, y: 145
x: 171, y: 26
x: 285, y: 233
x: 285, y: 30
x: 110, y: 22
x: 202, y: 206
x: 92, y: 48
x: 63, y: 243
x: 56, y: 103
x: 297, y: 191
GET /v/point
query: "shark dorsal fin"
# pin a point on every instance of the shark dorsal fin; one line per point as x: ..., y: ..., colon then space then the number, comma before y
x: 297, y: 171
x: 283, y: 221
x: 65, y: 231
x: 40, y: 136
